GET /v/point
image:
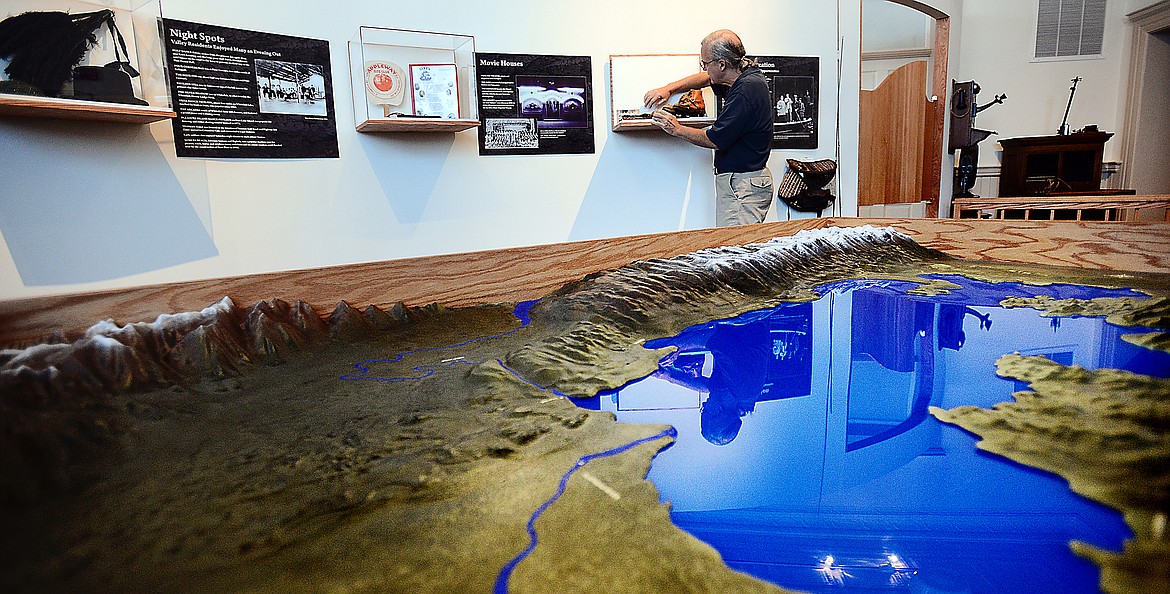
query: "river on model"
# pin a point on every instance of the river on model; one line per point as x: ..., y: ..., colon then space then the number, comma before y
x: 806, y: 454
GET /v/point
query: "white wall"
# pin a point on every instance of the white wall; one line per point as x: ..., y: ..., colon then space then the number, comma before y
x: 886, y: 26
x: 890, y: 26
x: 1134, y: 5
x: 998, y: 43
x: 89, y: 206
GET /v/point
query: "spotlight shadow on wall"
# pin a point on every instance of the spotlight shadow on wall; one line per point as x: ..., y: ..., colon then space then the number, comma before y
x: 408, y: 166
x: 89, y: 222
x: 640, y: 186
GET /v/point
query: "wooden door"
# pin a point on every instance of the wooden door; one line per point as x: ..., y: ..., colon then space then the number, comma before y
x: 893, y: 159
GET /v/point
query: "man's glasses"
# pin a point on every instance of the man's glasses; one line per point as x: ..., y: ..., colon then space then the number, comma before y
x: 703, y: 64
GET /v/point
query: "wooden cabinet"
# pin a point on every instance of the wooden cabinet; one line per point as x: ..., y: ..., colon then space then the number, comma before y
x: 1047, y: 165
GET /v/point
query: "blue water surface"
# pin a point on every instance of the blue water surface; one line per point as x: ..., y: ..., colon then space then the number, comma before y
x: 807, y: 457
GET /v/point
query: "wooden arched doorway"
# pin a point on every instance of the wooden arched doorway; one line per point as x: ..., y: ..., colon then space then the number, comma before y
x: 900, y: 156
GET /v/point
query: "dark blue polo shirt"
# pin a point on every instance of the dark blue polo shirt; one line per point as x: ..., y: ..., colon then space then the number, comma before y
x: 743, y: 131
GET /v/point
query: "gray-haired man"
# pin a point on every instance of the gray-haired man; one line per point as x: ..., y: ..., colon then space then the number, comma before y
x: 741, y: 135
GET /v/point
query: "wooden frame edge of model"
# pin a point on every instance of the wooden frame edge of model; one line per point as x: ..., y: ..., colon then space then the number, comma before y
x: 517, y: 274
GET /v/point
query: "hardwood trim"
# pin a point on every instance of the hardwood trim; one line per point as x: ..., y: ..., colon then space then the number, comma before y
x: 936, y: 118
x: 517, y: 274
x: 76, y: 109
x: 416, y: 125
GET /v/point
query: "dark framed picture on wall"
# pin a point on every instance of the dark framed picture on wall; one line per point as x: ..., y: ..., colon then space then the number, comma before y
x: 241, y: 94
x: 435, y: 90
x: 534, y: 104
x: 794, y: 82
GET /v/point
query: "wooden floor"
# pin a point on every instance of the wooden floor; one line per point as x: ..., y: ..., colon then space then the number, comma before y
x: 529, y: 272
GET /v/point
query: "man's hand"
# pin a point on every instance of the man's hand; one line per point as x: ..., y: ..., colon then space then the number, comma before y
x: 666, y: 121
x: 669, y: 124
x: 656, y: 98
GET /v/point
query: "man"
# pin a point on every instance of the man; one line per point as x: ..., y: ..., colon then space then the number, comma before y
x: 741, y: 136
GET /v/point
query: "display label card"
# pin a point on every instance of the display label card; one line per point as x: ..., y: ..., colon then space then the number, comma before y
x: 249, y: 95
x: 534, y: 104
x: 794, y: 83
x: 435, y: 90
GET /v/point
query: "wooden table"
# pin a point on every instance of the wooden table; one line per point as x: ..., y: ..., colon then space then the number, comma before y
x: 1058, y: 207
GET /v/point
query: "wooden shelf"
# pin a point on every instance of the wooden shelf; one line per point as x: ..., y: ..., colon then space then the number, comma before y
x: 646, y: 124
x: 76, y: 109
x: 416, y: 125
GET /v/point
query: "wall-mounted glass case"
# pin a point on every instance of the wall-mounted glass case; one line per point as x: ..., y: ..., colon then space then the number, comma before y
x: 121, y: 78
x: 630, y: 76
x: 412, y: 81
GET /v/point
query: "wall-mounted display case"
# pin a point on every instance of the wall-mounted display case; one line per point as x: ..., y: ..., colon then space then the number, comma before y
x: 412, y: 81
x: 630, y: 76
x: 93, y: 90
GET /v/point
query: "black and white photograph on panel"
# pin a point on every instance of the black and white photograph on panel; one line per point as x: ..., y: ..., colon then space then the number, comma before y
x: 794, y: 82
x: 553, y: 101
x: 291, y: 87
x: 510, y: 133
x: 534, y: 104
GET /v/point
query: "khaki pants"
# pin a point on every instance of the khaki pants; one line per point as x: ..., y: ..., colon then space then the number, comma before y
x: 742, y: 198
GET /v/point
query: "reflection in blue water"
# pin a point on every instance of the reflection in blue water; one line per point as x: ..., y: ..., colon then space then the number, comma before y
x: 806, y: 455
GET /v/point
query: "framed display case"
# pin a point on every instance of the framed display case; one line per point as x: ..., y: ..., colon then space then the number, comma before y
x: 94, y: 91
x: 412, y: 81
x: 630, y: 76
